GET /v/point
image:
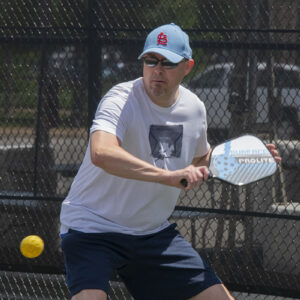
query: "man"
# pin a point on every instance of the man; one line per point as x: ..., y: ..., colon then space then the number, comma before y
x: 147, y: 135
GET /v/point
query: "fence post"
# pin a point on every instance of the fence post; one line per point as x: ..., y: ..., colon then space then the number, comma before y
x: 44, y: 178
x: 94, y: 63
x: 42, y: 132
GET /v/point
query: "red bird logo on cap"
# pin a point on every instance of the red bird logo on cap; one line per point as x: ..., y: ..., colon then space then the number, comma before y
x: 162, y: 39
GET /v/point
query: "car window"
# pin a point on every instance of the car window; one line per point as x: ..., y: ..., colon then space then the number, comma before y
x: 283, y: 78
x: 210, y: 79
x: 287, y: 79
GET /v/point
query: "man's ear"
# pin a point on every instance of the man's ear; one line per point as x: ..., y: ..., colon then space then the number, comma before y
x: 190, y: 65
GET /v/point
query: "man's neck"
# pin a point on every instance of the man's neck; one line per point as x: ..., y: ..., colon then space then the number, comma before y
x: 165, y: 100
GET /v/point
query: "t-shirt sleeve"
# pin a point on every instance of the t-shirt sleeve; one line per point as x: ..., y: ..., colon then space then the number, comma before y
x: 203, y: 145
x: 111, y: 113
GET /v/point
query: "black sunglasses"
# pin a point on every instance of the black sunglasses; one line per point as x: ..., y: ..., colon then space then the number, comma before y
x: 152, y: 62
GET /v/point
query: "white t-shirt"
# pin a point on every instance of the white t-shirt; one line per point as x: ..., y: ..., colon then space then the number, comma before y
x: 166, y: 137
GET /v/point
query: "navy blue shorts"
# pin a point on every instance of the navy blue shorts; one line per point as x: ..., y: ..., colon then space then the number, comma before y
x: 153, y: 267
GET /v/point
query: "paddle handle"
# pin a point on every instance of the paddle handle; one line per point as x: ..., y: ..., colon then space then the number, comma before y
x: 184, y: 182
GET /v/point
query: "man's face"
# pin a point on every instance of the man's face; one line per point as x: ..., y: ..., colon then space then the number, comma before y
x: 161, y: 82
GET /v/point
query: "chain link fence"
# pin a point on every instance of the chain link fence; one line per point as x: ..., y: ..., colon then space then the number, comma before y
x: 57, y: 58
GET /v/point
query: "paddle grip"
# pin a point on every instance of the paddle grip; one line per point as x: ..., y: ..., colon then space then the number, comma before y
x: 184, y: 182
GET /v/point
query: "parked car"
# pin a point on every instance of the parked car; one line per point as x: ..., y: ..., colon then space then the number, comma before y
x: 212, y: 87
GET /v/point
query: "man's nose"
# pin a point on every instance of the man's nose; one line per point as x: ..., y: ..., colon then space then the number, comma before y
x: 158, y: 67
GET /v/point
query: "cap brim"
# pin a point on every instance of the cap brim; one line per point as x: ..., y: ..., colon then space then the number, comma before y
x: 169, y: 55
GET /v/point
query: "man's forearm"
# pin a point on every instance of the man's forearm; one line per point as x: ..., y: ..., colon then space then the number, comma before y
x: 117, y: 161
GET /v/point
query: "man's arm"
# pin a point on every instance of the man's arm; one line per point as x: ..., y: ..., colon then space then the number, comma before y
x: 202, y: 161
x: 107, y: 153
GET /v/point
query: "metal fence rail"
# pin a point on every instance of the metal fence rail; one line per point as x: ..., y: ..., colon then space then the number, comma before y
x: 58, y: 58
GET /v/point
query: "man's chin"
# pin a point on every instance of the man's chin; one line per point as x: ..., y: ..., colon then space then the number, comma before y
x: 157, y: 92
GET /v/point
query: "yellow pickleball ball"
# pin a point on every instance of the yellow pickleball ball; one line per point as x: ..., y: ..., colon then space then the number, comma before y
x: 32, y: 246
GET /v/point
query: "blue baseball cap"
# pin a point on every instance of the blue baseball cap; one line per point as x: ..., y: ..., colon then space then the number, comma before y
x: 169, y: 41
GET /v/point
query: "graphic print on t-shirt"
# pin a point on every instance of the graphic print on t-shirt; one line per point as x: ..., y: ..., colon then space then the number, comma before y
x: 165, y: 142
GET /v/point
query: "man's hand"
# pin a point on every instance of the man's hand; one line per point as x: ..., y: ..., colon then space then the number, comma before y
x: 192, y: 174
x: 274, y: 152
